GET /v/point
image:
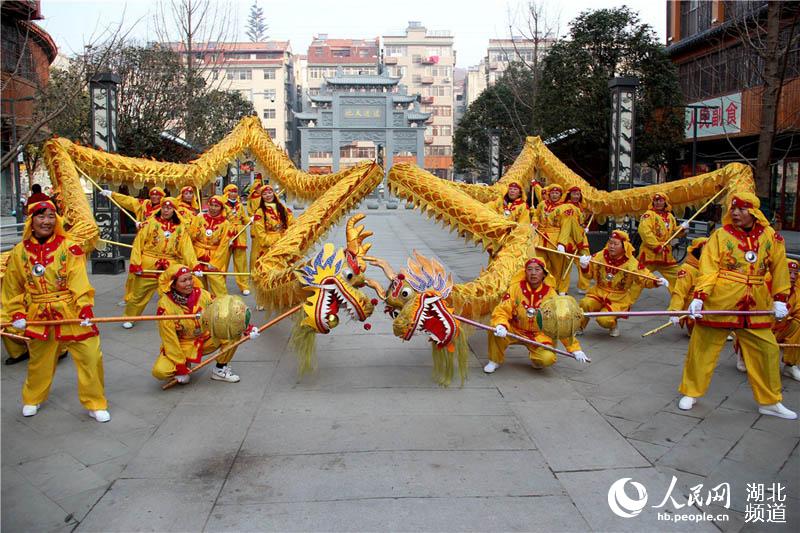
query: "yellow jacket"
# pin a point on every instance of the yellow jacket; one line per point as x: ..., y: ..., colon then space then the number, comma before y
x: 182, y: 341
x: 512, y: 311
x: 141, y: 209
x: 267, y: 226
x: 210, y: 236
x: 559, y: 222
x: 655, y: 227
x: 160, y: 244
x: 682, y: 292
x: 612, y: 286
x: 516, y: 210
x: 238, y: 218
x: 727, y: 281
x: 61, y: 292
x: 793, y: 302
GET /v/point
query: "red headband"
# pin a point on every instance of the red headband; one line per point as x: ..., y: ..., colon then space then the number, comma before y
x: 575, y: 188
x: 514, y: 184
x: 267, y: 186
x: 213, y: 200
x: 794, y: 265
x: 167, y: 202
x: 537, y: 261
x: 44, y: 204
x: 181, y: 271
x: 618, y: 235
x: 737, y: 202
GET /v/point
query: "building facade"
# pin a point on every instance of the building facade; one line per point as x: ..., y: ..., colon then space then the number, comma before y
x: 715, y: 47
x: 325, y: 56
x: 423, y: 60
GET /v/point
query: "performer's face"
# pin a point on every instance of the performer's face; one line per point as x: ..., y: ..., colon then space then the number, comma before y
x: 514, y: 192
x: 741, y: 217
x: 155, y: 198
x: 792, y: 275
x: 167, y: 211
x: 659, y: 203
x: 534, y: 274
x: 615, y: 247
x: 44, y: 224
x: 268, y: 195
x: 187, y: 195
x: 555, y: 195
x: 214, y: 209
x: 576, y: 196
x: 184, y: 284
x: 233, y: 195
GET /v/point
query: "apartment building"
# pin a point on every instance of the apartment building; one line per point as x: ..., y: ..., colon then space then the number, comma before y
x: 354, y: 56
x: 263, y: 73
x: 424, y: 60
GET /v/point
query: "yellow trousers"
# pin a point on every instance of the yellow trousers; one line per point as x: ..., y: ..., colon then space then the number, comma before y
x: 142, y: 290
x: 583, y: 282
x: 14, y: 348
x: 164, y: 367
x: 216, y: 285
x: 556, y: 263
x: 255, y: 251
x: 589, y: 305
x: 759, y: 350
x: 669, y: 272
x: 88, y: 361
x: 240, y: 265
x: 540, y: 356
x: 790, y: 334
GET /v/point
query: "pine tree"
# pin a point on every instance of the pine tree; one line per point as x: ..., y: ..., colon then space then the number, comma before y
x: 256, y: 27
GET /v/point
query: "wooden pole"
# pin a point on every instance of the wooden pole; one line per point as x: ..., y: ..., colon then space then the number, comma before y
x: 788, y: 345
x: 205, y: 273
x: 656, y: 330
x: 117, y: 243
x: 223, y: 349
x: 572, y: 259
x: 240, y: 232
x: 20, y: 338
x: 632, y: 272
x: 99, y: 188
x: 680, y: 229
x: 105, y: 319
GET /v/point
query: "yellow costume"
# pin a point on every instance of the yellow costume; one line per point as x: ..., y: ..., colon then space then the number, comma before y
x: 254, y: 198
x: 159, y: 244
x: 655, y: 227
x: 513, y: 313
x: 732, y: 269
x: 48, y: 281
x: 682, y: 291
x: 267, y: 227
x: 611, y: 291
x: 188, y: 210
x: 141, y: 209
x: 182, y: 341
x: 559, y: 224
x: 516, y: 210
x: 788, y: 330
x: 238, y: 218
x: 210, y: 237
x: 584, y: 215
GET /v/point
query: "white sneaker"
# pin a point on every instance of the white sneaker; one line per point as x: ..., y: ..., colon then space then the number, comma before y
x: 581, y: 291
x: 224, y: 374
x: 246, y: 292
x: 127, y: 325
x: 686, y: 403
x: 30, y: 410
x: 614, y: 332
x: 777, y: 409
x: 183, y: 379
x: 740, y: 366
x: 490, y: 367
x: 729, y: 338
x: 101, y: 415
x: 791, y: 371
x: 122, y: 303
x: 259, y: 308
x: 562, y: 293
x: 578, y: 333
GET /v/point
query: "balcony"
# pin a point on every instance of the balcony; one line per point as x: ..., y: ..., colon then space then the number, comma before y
x: 494, y: 65
x: 429, y: 139
x: 430, y: 120
x: 390, y: 60
x: 426, y: 79
x: 427, y: 99
x: 430, y: 60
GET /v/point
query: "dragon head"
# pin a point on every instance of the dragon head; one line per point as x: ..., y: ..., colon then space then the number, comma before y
x: 416, y: 301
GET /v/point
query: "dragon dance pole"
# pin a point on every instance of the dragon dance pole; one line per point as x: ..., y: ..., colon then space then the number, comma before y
x: 99, y: 188
x: 20, y: 338
x: 678, y: 313
x: 205, y: 273
x: 788, y: 345
x: 223, y: 349
x: 632, y: 272
x: 680, y: 229
x: 117, y: 243
x: 572, y: 259
x: 524, y: 340
x: 105, y: 319
x: 656, y: 330
x: 240, y: 232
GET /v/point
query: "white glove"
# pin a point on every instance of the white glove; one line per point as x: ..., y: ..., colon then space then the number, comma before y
x: 662, y: 282
x: 695, y: 307
x: 780, y: 309
x: 252, y: 219
x: 106, y: 193
x: 20, y: 324
x: 586, y: 229
x: 183, y: 378
x: 254, y: 333
x: 86, y: 323
x: 139, y: 225
x: 561, y: 248
x: 500, y: 331
x: 685, y: 225
x: 585, y: 260
x: 198, y: 273
x: 580, y: 356
x: 676, y: 320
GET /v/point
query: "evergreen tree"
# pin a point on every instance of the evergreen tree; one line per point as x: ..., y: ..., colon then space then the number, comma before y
x: 256, y: 27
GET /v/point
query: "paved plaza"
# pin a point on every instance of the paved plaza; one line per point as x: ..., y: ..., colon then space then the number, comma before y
x: 369, y: 442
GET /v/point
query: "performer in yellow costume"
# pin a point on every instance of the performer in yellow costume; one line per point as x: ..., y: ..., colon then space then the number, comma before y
x: 513, y: 204
x: 184, y: 342
x: 656, y: 226
x: 270, y: 220
x: 188, y: 206
x: 788, y: 330
x: 734, y: 263
x: 211, y: 232
x: 558, y: 223
x: 254, y: 198
x: 162, y: 241
x: 682, y: 292
x: 611, y: 291
x: 141, y: 209
x: 516, y: 313
x: 575, y: 197
x: 238, y: 218
x: 46, y: 280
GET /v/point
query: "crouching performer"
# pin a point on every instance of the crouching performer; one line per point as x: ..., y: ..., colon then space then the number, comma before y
x: 517, y: 314
x: 46, y: 280
x: 733, y: 266
x: 184, y: 342
x: 788, y: 330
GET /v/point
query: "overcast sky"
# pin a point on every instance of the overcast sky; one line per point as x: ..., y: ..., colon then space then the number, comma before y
x: 73, y: 23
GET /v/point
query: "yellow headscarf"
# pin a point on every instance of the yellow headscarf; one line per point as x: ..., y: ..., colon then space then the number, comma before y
x: 174, y: 203
x: 667, y: 205
x: 27, y: 232
x: 582, y: 204
x: 195, y: 203
x: 228, y: 188
x: 626, y: 241
x: 522, y: 195
x: 748, y: 200
x: 172, y: 273
x: 158, y: 190
x: 546, y: 193
x: 222, y: 201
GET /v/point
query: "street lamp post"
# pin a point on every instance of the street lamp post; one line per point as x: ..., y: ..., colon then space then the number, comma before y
x: 623, y: 120
x: 694, y: 109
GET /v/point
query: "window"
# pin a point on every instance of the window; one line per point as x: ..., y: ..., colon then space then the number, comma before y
x: 364, y: 52
x: 364, y: 152
x: 416, y: 78
x: 269, y: 73
x: 441, y: 110
x: 443, y: 72
x: 239, y: 74
x: 397, y: 72
x: 247, y: 94
x: 270, y: 94
x: 441, y: 131
x: 269, y: 113
x: 215, y: 74
x: 321, y: 155
x: 436, y: 90
x: 318, y: 51
x: 272, y: 133
x: 395, y: 51
x: 438, y: 150
x: 341, y: 52
x: 695, y: 17
x: 314, y: 91
x: 416, y: 58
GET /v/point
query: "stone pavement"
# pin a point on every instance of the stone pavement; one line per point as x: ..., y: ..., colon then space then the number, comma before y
x: 369, y: 442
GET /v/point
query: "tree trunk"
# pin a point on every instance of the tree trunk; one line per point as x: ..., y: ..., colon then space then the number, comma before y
x: 769, y: 100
